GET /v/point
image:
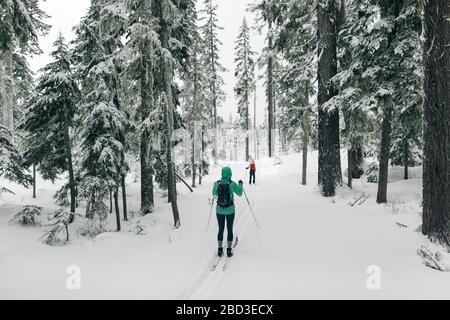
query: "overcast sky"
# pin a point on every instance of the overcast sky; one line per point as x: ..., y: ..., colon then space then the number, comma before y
x: 66, y: 13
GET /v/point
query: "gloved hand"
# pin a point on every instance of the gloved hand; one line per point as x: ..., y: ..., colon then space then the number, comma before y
x: 241, y: 182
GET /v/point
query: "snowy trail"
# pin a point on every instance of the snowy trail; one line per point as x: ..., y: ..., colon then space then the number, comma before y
x: 308, y: 247
x: 210, y: 280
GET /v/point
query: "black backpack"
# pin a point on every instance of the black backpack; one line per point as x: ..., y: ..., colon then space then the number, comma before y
x: 224, y: 199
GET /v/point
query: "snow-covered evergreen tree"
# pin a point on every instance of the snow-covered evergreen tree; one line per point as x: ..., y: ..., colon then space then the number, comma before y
x: 49, y: 119
x: 105, y: 124
x: 195, y: 85
x: 20, y: 26
x: 245, y: 78
x: 12, y: 165
x: 267, y: 13
x: 214, y: 69
x: 379, y: 42
x: 296, y: 42
x: 142, y: 44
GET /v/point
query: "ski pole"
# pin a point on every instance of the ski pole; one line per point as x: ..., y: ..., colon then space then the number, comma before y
x: 248, y: 202
x: 210, y: 213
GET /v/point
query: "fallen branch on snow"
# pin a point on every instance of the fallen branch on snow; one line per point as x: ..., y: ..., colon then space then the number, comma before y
x: 432, y: 260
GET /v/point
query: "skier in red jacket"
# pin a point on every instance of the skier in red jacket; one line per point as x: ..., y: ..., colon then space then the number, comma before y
x: 252, y: 167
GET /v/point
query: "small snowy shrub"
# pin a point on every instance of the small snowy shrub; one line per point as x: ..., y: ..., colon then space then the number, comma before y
x: 372, y: 173
x: 59, y: 231
x: 93, y: 227
x: 139, y: 229
x: 97, y: 209
x: 28, y: 215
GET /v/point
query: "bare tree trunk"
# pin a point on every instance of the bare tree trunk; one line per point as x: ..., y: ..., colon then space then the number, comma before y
x: 68, y: 150
x: 405, y: 158
x: 124, y: 199
x: 193, y: 161
x: 116, y: 205
x: 330, y: 174
x: 110, y: 202
x: 270, y: 93
x: 350, y: 162
x: 8, y: 92
x: 167, y: 74
x: 34, y: 181
x: 147, y: 200
x: 436, y: 165
x: 384, y: 151
x: 306, y: 131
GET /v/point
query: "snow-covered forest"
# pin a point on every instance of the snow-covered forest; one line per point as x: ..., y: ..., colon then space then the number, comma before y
x: 109, y: 154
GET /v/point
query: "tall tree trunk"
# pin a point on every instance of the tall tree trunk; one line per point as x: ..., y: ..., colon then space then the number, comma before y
x: 170, y: 167
x: 270, y: 93
x: 436, y: 165
x: 330, y: 174
x: 116, y: 205
x: 124, y: 199
x: 68, y: 150
x: 384, y: 151
x: 305, y: 140
x: 34, y: 181
x: 8, y: 90
x: 147, y: 200
x: 351, y: 163
x: 193, y: 160
x: 247, y: 128
x: 111, y: 202
x: 167, y: 74
x: 405, y: 158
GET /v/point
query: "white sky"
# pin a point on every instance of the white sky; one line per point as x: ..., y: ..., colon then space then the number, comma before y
x: 66, y: 13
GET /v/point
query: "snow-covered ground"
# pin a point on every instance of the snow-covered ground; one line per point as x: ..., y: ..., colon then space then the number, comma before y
x: 307, y: 246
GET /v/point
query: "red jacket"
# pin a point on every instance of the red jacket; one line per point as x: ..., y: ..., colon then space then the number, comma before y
x: 252, y: 165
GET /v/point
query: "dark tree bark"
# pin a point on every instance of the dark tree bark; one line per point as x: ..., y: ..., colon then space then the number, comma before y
x: 306, y: 131
x: 351, y: 161
x: 270, y: 99
x: 34, y: 181
x: 436, y: 172
x: 147, y: 198
x: 384, y: 151
x: 194, y: 169
x: 68, y: 150
x: 167, y: 74
x: 329, y: 143
x: 405, y: 159
x: 116, y: 205
x: 124, y: 199
x: 111, y: 202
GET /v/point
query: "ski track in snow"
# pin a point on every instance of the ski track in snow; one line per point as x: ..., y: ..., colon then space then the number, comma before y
x: 211, y: 278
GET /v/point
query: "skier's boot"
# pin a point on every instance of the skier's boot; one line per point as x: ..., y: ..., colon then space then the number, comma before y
x: 229, y: 253
x: 220, y: 252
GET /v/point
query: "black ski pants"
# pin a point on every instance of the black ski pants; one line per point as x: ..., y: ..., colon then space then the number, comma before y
x: 229, y: 220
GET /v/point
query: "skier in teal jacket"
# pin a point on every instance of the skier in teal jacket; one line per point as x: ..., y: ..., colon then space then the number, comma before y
x: 225, y: 189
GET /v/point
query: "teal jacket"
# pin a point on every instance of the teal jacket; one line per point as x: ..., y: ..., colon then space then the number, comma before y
x: 234, y: 188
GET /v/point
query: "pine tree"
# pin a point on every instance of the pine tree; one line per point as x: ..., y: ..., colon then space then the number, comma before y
x: 245, y: 79
x: 103, y: 133
x: 295, y: 40
x: 21, y: 24
x: 379, y: 77
x: 436, y: 175
x: 329, y: 142
x: 267, y: 13
x: 143, y: 43
x: 195, y: 107
x: 169, y: 15
x: 213, y: 67
x: 12, y: 165
x: 49, y: 119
